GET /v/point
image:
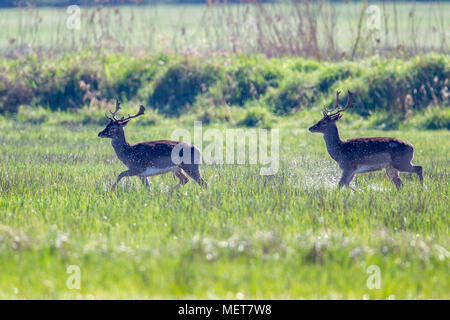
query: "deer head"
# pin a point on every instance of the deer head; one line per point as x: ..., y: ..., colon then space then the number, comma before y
x: 115, y: 126
x: 331, y: 116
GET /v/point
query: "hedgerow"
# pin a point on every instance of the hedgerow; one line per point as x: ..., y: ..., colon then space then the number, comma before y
x: 176, y: 85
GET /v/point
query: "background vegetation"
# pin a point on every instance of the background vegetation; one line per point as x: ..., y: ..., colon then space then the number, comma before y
x: 320, y: 29
x: 394, y: 89
x: 202, y: 60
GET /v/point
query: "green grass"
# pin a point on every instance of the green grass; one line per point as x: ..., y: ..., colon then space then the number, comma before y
x: 292, y: 235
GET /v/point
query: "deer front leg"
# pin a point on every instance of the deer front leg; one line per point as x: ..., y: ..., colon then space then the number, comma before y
x: 393, y: 174
x: 347, y: 177
x: 145, y: 181
x: 128, y: 173
x: 181, y: 176
x: 178, y: 173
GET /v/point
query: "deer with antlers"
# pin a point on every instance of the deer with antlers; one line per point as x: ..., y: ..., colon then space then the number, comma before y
x: 364, y: 154
x: 151, y: 158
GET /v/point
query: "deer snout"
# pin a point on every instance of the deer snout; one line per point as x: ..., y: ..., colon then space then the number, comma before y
x: 101, y: 134
x: 312, y: 129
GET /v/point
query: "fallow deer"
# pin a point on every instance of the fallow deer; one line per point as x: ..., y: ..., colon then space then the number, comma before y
x: 153, y: 157
x: 364, y: 154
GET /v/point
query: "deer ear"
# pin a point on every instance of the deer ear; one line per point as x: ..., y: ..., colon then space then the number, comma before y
x: 124, y: 123
x: 336, y: 117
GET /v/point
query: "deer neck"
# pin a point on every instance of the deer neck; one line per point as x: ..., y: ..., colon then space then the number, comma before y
x: 333, y: 141
x: 120, y: 145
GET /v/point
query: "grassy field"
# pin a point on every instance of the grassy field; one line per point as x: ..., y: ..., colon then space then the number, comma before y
x: 196, y: 29
x: 292, y: 235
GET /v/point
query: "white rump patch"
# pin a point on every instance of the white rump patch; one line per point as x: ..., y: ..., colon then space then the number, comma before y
x: 155, y: 171
x: 368, y: 168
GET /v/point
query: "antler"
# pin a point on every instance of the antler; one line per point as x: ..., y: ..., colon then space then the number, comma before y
x: 349, y: 104
x: 117, y: 109
x: 141, y: 112
x: 326, y: 112
x: 336, y: 104
x: 115, y: 112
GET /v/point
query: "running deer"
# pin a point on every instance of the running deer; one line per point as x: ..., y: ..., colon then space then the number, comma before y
x: 151, y: 158
x: 364, y: 154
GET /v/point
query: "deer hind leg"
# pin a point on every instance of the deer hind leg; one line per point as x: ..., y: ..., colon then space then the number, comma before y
x: 346, y: 178
x: 407, y: 166
x: 419, y: 171
x: 403, y: 164
x: 393, y: 174
x: 145, y: 181
x: 180, y: 175
x: 193, y: 171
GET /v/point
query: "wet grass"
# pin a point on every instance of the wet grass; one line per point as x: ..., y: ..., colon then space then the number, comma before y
x: 292, y: 235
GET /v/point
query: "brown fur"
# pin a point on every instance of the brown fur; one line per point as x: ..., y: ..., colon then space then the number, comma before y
x: 361, y: 155
x: 151, y: 157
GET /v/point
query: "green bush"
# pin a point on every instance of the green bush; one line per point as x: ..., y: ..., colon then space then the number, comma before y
x: 13, y: 93
x: 256, y: 117
x: 127, y: 75
x: 293, y: 94
x: 68, y: 89
x: 400, y: 86
x: 72, y: 80
x: 434, y: 118
x: 332, y: 73
x: 179, y: 85
x: 247, y: 81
